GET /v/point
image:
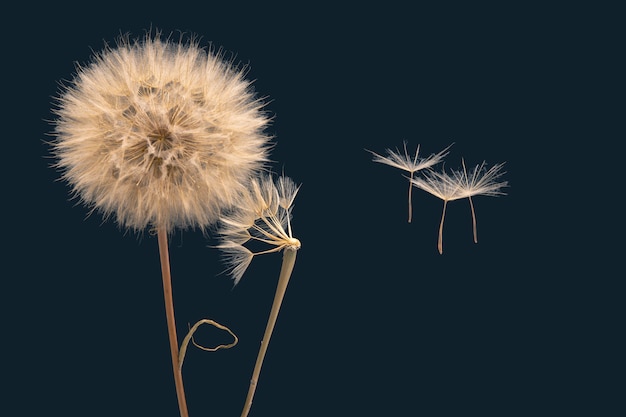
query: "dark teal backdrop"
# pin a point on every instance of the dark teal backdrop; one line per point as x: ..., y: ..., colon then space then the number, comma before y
x: 375, y: 321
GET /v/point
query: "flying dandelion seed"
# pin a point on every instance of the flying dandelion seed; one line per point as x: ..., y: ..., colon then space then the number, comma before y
x: 443, y: 186
x: 410, y: 164
x: 480, y: 181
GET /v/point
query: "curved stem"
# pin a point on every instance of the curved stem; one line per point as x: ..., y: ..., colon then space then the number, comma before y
x: 440, y: 241
x: 473, y: 219
x: 189, y: 338
x: 289, y: 260
x: 171, y: 322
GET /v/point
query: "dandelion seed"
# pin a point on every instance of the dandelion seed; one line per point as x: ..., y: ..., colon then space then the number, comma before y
x: 263, y: 215
x: 410, y: 164
x: 443, y: 186
x: 480, y: 181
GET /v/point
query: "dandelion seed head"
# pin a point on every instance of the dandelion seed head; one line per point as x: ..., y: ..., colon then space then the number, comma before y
x: 262, y: 214
x: 158, y: 132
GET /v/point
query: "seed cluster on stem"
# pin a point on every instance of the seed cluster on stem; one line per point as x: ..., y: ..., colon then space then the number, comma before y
x: 160, y: 134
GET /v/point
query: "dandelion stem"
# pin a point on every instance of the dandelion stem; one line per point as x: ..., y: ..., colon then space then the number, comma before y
x: 443, y: 215
x: 410, y: 205
x: 473, y: 219
x: 171, y: 322
x: 289, y: 259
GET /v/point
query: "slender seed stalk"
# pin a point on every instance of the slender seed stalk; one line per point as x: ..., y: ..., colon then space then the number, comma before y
x: 410, y: 205
x: 440, y: 241
x: 171, y: 322
x: 473, y: 219
x: 289, y: 259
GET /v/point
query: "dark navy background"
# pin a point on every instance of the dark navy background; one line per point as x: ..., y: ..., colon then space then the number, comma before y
x: 375, y: 321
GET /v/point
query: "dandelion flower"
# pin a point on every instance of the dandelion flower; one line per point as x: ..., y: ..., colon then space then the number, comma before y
x: 441, y: 185
x: 159, y: 134
x: 263, y: 216
x: 480, y: 181
x: 410, y: 164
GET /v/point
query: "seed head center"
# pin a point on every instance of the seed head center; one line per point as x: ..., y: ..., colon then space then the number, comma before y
x: 161, y: 139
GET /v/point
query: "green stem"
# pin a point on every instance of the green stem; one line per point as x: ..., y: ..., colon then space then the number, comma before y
x: 289, y: 260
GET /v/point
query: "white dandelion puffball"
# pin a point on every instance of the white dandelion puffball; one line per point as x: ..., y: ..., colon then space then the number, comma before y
x: 159, y: 133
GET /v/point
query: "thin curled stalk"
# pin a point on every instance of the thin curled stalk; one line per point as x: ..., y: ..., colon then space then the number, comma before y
x: 189, y: 338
